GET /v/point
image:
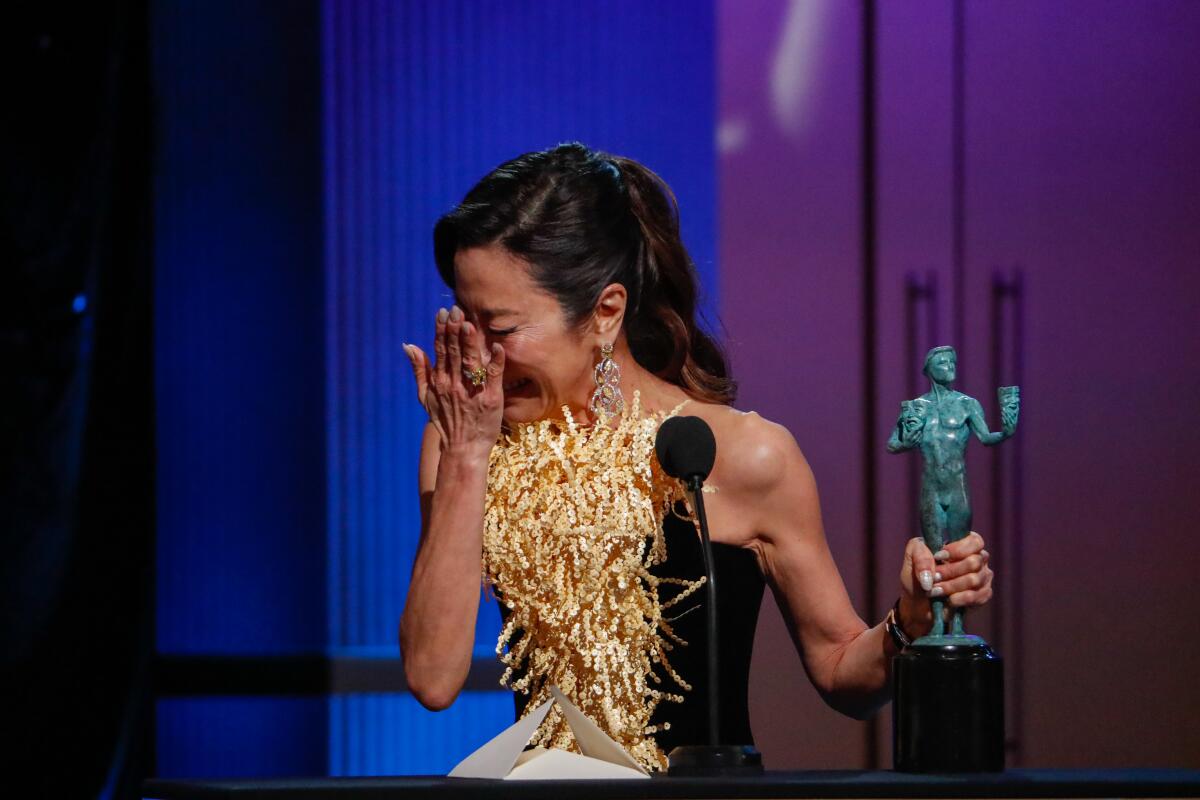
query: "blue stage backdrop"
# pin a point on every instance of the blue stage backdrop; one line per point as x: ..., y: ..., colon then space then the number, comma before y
x: 305, y: 152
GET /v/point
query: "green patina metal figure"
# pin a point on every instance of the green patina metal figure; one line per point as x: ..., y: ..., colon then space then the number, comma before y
x: 940, y: 422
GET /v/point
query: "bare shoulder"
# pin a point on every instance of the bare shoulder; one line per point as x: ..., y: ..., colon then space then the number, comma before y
x: 754, y: 454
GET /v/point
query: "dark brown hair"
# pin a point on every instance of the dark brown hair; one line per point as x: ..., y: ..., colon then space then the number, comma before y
x: 584, y: 219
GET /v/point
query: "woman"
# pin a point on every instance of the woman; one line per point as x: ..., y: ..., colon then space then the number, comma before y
x: 573, y: 335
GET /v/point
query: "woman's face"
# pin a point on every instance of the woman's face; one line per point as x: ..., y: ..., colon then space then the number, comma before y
x: 547, y: 364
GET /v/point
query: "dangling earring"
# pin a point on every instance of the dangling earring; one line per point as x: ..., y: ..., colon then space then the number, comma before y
x: 607, y: 400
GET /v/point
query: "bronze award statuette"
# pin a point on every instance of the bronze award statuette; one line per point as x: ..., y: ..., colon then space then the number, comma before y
x: 948, y: 711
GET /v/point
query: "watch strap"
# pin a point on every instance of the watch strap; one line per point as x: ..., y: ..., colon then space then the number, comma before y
x: 892, y: 624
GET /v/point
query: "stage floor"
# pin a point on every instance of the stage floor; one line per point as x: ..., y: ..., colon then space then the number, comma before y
x: 1016, y: 783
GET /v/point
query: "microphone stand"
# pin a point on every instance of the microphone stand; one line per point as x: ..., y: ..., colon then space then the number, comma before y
x: 714, y: 758
x: 695, y: 485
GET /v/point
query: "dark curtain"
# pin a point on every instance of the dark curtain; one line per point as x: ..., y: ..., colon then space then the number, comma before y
x: 76, y: 399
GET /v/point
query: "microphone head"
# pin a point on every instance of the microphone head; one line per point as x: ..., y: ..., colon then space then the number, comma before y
x: 686, y: 447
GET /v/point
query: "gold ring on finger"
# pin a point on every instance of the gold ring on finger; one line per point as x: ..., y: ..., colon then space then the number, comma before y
x: 476, y: 376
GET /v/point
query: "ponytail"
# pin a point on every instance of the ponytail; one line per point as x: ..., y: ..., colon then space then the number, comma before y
x: 663, y: 334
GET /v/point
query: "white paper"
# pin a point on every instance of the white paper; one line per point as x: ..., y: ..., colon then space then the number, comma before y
x: 505, y: 757
x: 496, y: 758
x: 563, y: 764
x: 593, y: 742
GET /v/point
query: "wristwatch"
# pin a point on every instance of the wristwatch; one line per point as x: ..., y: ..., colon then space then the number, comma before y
x: 892, y: 624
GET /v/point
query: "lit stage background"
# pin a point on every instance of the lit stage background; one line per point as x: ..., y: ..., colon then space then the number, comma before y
x: 306, y: 151
x: 858, y: 181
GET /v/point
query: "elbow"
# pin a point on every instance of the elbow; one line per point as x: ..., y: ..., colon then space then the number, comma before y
x: 849, y: 695
x: 433, y: 697
x: 853, y: 705
x: 839, y: 699
x: 859, y: 710
x: 433, y: 686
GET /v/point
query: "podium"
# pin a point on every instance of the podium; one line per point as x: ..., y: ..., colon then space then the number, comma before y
x: 1017, y: 784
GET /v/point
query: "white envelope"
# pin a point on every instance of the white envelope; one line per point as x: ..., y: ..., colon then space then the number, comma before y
x: 505, y: 756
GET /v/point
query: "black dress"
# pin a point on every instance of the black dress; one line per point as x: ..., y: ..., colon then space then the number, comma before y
x: 740, y: 591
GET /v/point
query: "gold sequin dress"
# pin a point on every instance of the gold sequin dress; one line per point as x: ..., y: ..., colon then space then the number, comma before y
x: 579, y: 523
x: 572, y: 531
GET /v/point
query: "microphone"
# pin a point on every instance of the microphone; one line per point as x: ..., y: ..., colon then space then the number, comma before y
x: 687, y: 449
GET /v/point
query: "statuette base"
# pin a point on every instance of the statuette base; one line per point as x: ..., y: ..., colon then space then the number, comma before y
x: 948, y: 713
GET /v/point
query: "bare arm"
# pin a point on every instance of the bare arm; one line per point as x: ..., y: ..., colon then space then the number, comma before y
x: 438, y: 624
x: 979, y: 425
x: 848, y: 662
x: 437, y: 629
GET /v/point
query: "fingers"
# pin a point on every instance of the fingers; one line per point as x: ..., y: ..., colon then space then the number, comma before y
x: 971, y: 597
x: 467, y: 412
x: 923, y: 565
x: 956, y: 569
x: 459, y: 346
x: 493, y: 386
x: 471, y: 342
x: 439, y: 344
x: 421, y: 369
x: 495, y: 367
x: 964, y: 578
x: 472, y: 346
x: 968, y: 545
x: 972, y: 581
x: 454, y: 363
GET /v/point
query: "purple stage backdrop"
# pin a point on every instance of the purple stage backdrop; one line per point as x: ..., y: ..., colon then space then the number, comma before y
x: 1031, y: 171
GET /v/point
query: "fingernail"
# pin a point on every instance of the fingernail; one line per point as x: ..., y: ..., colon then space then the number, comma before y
x: 937, y: 576
x: 942, y: 555
x: 926, y: 579
x: 443, y: 315
x: 456, y: 313
x: 938, y: 591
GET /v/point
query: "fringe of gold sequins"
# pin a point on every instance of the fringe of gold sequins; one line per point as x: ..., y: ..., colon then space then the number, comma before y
x: 572, y: 524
